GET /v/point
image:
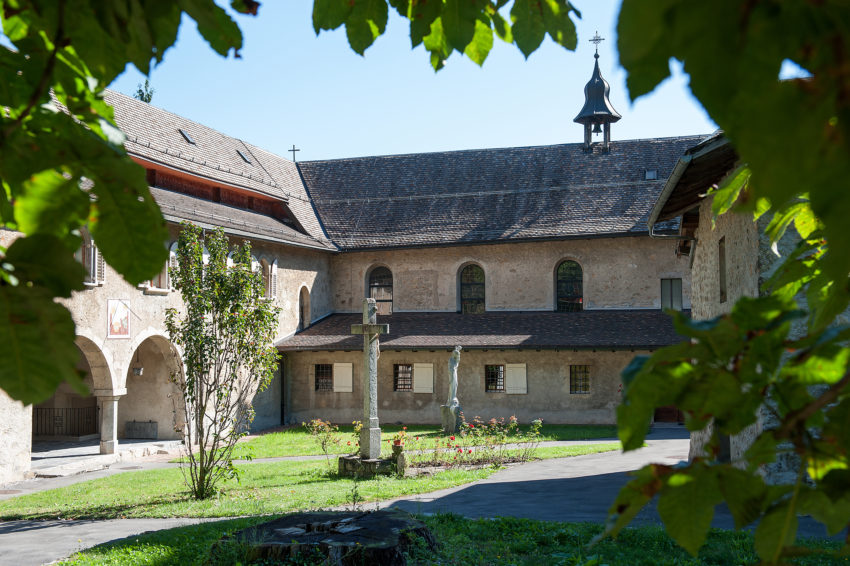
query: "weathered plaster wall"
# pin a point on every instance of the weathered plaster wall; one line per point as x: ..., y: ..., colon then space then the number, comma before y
x: 15, y: 439
x: 152, y: 396
x: 267, y: 405
x: 618, y: 273
x: 548, y: 382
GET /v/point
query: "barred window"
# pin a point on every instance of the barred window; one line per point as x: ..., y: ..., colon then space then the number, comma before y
x: 580, y: 380
x: 494, y: 378
x: 568, y: 287
x: 472, y: 290
x: 381, y: 289
x: 402, y: 377
x: 324, y: 377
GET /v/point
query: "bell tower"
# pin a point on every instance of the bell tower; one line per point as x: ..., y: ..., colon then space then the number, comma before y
x: 597, y: 114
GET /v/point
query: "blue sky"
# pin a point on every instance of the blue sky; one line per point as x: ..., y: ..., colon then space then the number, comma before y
x: 292, y: 87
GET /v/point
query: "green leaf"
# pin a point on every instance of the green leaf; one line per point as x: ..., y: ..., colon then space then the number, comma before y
x: 527, y: 25
x: 777, y: 529
x: 744, y: 492
x: 728, y: 191
x: 368, y: 20
x: 214, y: 25
x: 50, y: 203
x: 31, y: 323
x: 559, y: 26
x: 422, y: 14
x: 44, y: 260
x: 482, y: 42
x: 686, y: 506
x: 459, y: 19
x: 437, y: 44
x: 642, y: 36
x: 330, y: 14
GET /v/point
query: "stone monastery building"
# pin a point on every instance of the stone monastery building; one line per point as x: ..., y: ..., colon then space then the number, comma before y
x: 536, y: 260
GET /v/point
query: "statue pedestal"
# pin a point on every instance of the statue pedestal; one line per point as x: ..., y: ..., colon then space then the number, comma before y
x: 450, y: 418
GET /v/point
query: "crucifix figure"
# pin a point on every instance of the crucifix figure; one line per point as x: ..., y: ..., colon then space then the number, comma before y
x: 370, y: 435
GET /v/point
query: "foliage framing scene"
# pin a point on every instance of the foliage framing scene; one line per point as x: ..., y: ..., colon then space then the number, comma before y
x: 64, y: 167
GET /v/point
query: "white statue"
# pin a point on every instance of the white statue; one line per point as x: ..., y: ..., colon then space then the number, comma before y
x: 454, y: 360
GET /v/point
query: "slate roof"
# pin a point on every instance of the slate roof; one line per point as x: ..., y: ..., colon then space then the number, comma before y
x: 602, y: 329
x: 152, y: 135
x: 489, y: 195
x: 177, y: 207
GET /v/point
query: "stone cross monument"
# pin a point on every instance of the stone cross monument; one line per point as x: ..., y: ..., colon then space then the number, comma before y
x: 370, y: 435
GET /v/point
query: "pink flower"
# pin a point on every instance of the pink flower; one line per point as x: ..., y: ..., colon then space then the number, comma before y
x: 404, y: 428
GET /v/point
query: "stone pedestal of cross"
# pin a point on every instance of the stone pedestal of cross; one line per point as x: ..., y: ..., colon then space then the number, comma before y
x: 370, y: 435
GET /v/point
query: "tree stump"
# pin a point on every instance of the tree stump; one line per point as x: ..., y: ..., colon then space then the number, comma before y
x: 344, y: 538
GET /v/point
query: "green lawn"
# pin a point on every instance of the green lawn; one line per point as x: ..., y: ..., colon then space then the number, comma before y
x: 264, y: 488
x: 298, y: 442
x: 503, y: 541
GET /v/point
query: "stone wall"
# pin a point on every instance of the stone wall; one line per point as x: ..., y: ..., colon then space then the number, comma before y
x: 15, y: 439
x: 619, y: 273
x: 742, y: 279
x: 547, y: 374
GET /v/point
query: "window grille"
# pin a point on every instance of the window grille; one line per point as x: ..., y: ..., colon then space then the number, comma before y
x: 381, y: 289
x: 402, y: 377
x: 494, y: 378
x: 568, y: 287
x: 472, y: 290
x: 324, y: 377
x: 580, y: 380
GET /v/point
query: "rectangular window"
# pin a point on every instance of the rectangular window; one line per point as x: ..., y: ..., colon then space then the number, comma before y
x: 324, y: 377
x: 402, y: 377
x: 721, y: 267
x: 579, y: 380
x: 494, y: 378
x: 671, y: 294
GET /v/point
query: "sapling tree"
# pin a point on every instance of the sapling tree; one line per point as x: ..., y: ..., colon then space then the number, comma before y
x: 225, y: 331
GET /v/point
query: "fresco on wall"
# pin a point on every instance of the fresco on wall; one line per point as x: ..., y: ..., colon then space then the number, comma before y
x: 117, y: 319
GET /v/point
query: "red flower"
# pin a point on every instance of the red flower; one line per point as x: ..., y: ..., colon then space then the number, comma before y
x: 472, y: 426
x: 349, y: 443
x: 460, y: 450
x: 457, y: 445
x: 452, y: 437
x: 470, y: 451
x: 404, y: 428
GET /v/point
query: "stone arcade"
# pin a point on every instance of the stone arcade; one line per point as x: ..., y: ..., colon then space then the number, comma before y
x: 537, y: 261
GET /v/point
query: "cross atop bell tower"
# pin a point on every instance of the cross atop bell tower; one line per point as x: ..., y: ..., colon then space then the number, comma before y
x: 597, y: 112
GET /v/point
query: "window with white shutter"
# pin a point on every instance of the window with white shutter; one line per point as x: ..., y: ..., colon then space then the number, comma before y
x: 99, y: 265
x: 515, y: 380
x: 342, y: 378
x: 423, y: 378
x: 274, y: 280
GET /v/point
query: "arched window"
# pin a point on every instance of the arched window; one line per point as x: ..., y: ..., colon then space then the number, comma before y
x: 472, y: 290
x: 568, y: 287
x: 303, y: 308
x: 381, y: 289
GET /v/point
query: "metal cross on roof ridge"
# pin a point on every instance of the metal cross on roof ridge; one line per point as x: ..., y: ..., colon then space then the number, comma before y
x: 293, y: 150
x: 596, y: 40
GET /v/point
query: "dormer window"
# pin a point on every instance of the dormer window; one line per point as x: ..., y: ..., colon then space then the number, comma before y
x: 186, y: 136
x: 651, y: 175
x: 244, y: 158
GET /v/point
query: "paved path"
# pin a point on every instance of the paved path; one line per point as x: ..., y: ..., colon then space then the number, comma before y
x: 566, y: 489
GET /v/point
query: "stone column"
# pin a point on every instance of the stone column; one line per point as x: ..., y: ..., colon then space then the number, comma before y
x: 370, y: 435
x: 108, y: 423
